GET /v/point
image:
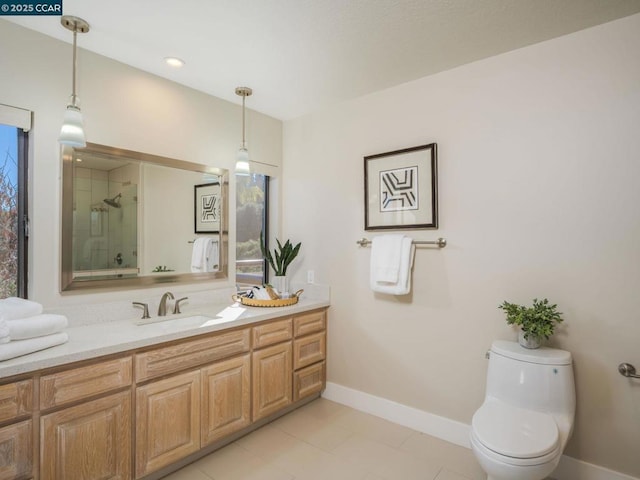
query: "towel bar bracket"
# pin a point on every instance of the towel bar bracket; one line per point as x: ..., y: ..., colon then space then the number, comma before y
x: 628, y: 370
x: 441, y: 242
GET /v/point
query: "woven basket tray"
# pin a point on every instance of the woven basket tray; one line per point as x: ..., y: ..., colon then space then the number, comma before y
x: 279, y: 302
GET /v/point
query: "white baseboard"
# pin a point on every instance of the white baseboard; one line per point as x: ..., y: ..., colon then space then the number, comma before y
x: 572, y: 469
x: 451, y: 430
x: 424, y: 422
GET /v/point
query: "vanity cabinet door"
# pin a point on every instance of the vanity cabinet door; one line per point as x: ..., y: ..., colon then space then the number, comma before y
x: 167, y: 421
x: 272, y: 379
x: 89, y: 441
x: 16, y: 451
x: 226, y: 398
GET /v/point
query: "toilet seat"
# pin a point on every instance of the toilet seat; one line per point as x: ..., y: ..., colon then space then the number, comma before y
x: 515, y: 435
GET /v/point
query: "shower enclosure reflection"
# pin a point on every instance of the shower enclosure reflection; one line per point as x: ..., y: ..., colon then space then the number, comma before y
x: 134, y: 219
x: 105, y: 233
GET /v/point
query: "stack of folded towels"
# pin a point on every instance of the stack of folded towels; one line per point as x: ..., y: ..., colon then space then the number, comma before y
x: 25, y: 329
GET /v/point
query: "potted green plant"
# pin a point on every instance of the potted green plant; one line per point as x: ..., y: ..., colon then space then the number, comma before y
x: 280, y: 260
x: 535, y: 322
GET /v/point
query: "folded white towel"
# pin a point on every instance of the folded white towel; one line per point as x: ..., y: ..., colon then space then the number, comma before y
x: 23, y: 347
x: 199, y: 255
x: 36, y: 326
x: 385, y: 258
x: 4, y: 330
x: 403, y: 285
x: 14, y: 307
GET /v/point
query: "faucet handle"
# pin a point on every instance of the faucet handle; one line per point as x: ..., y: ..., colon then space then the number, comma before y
x: 145, y: 306
x: 176, y: 305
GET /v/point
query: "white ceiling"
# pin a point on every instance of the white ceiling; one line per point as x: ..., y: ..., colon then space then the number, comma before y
x: 301, y: 55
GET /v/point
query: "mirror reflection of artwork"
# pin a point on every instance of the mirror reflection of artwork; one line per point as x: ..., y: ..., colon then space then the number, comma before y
x: 210, y: 209
x: 207, y: 208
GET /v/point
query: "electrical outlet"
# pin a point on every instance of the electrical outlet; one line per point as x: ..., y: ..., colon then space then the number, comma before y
x: 310, y: 276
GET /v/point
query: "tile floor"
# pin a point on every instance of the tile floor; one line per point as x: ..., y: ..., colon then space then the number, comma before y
x: 327, y: 441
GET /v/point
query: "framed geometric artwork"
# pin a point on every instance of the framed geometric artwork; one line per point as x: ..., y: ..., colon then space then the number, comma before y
x: 401, y: 189
x: 207, y: 198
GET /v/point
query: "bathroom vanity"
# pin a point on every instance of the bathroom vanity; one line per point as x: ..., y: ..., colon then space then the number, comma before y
x: 147, y: 406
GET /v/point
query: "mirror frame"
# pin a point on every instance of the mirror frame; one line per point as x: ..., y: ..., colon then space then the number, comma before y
x: 67, y: 282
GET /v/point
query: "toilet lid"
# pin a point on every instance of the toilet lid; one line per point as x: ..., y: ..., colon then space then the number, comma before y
x: 515, y: 432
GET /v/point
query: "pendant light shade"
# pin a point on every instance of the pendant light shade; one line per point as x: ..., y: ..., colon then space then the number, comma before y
x: 72, y: 131
x: 243, y: 165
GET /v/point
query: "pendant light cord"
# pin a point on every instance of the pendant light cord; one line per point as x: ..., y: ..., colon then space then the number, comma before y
x: 244, y: 145
x: 75, y: 65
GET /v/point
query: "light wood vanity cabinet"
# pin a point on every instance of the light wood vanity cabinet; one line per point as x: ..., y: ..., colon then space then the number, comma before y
x: 16, y: 438
x: 226, y: 398
x: 167, y: 421
x: 177, y: 416
x: 309, y: 354
x: 271, y: 379
x: 91, y: 440
x: 135, y: 414
x: 85, y: 423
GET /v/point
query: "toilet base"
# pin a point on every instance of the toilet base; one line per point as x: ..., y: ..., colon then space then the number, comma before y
x: 498, y: 470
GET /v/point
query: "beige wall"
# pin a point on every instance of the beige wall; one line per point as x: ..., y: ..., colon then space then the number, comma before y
x: 538, y: 173
x: 122, y: 107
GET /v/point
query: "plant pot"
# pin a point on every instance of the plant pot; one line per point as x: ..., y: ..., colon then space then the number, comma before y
x: 531, y: 342
x: 281, y: 284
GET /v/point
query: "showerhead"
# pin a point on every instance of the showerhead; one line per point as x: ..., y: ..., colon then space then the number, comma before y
x: 113, y: 202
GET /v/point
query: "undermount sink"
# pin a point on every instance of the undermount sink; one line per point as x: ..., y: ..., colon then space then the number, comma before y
x: 194, y: 319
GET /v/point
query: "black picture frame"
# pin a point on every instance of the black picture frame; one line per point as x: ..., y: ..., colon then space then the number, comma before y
x: 207, y: 207
x: 401, y: 189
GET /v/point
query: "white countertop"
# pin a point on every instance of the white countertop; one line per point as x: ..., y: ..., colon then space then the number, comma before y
x: 95, y: 340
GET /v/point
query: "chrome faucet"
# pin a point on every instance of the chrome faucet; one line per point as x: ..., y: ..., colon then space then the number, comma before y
x: 162, y: 308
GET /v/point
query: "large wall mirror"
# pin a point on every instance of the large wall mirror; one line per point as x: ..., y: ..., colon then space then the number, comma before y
x: 134, y: 219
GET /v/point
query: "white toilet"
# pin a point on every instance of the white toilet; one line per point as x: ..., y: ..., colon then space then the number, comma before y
x: 526, y: 419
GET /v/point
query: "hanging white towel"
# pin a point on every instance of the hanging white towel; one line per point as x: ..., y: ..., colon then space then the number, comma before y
x: 14, y: 307
x: 212, y: 255
x: 385, y: 258
x: 23, y: 347
x: 402, y: 285
x: 36, y: 326
x: 199, y: 255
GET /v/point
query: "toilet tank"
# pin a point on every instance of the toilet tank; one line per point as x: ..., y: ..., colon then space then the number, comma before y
x: 538, y: 379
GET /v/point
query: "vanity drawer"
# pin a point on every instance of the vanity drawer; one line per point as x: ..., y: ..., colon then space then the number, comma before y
x: 308, y: 381
x: 309, y: 323
x: 194, y: 353
x: 309, y: 349
x: 84, y: 382
x: 272, y: 333
x: 16, y: 399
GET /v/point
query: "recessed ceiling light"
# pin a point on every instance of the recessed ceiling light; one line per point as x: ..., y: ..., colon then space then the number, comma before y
x: 173, y: 62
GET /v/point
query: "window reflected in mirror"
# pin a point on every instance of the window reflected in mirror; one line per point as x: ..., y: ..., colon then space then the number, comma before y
x: 252, y: 193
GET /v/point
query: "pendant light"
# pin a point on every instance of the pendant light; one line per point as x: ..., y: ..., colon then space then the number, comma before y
x: 72, y: 131
x: 242, y: 159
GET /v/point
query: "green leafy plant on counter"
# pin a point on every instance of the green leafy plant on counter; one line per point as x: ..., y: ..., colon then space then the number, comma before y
x: 282, y: 256
x: 161, y: 268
